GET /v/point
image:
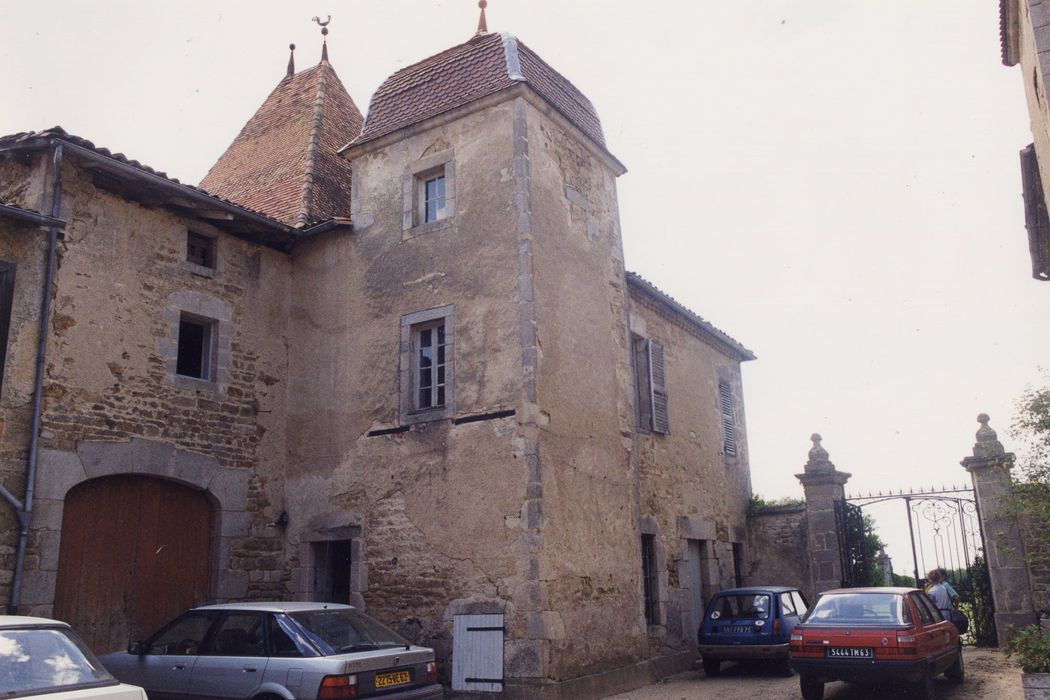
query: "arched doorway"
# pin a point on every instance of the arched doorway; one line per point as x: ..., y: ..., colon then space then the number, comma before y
x: 135, y: 551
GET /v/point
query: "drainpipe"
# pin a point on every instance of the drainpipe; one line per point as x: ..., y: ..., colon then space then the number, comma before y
x: 24, y: 509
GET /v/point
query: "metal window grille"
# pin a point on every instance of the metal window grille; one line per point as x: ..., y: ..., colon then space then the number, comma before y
x: 725, y: 402
x: 649, y: 583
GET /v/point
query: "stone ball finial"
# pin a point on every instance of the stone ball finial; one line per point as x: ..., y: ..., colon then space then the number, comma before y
x: 988, y: 444
x: 818, y: 456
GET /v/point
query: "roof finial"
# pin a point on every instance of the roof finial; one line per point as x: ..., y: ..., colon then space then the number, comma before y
x: 324, y: 33
x: 291, y: 60
x: 483, y: 26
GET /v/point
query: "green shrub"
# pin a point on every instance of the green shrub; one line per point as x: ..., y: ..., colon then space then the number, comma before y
x: 1031, y: 647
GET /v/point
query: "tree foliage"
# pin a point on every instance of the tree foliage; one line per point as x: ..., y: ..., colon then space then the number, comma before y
x: 1031, y: 496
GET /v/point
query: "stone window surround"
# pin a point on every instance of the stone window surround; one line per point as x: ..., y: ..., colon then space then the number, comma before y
x: 61, y: 470
x: 412, y: 185
x: 648, y: 525
x: 201, y: 270
x: 204, y: 307
x: 358, y: 565
x: 407, y: 414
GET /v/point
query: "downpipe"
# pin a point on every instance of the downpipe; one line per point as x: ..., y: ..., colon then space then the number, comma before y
x: 24, y: 508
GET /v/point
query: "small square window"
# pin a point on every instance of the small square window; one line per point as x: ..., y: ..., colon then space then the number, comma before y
x: 200, y: 250
x: 429, y: 193
x: 196, y: 347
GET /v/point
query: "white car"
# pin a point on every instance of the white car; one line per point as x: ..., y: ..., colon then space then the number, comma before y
x: 40, y: 657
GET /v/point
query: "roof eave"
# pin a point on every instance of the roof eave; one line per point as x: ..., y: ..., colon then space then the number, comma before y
x: 720, y: 339
x: 520, y: 88
x: 191, y: 202
x: 12, y: 212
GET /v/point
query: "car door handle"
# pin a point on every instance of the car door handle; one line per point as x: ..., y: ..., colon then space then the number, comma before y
x: 178, y: 667
x: 249, y: 669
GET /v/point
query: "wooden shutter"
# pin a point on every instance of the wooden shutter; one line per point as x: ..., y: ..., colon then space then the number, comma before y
x: 1035, y: 215
x: 725, y: 401
x: 658, y: 388
x: 643, y: 394
x: 477, y: 653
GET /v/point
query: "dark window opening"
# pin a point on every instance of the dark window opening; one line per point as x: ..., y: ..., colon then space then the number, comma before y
x: 332, y: 571
x: 200, y: 250
x: 7, y: 293
x: 195, y: 347
x: 649, y: 581
x: 738, y: 567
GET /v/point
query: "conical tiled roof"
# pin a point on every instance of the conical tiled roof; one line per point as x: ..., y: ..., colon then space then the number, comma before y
x: 284, y: 163
x: 462, y: 74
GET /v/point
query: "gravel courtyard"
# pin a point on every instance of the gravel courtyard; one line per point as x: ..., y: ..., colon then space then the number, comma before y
x: 988, y: 675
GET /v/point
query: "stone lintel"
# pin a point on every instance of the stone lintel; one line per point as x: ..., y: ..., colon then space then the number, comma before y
x: 977, y: 464
x: 834, y: 477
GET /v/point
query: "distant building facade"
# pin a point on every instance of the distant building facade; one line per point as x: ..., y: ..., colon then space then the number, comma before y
x: 1024, y: 27
x: 394, y: 361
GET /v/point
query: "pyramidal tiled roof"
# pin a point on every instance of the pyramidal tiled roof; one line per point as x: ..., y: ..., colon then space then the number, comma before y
x: 462, y: 74
x: 284, y: 163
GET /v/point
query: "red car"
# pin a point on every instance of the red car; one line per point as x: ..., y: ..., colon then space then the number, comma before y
x: 874, y: 634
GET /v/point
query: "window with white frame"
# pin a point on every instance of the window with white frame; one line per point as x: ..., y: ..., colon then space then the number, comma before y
x: 426, y: 365
x: 432, y: 192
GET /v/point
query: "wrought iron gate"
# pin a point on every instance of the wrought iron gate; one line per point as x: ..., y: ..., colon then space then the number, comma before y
x: 944, y: 521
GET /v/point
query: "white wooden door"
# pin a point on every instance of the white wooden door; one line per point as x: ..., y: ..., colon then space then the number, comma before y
x: 477, y: 653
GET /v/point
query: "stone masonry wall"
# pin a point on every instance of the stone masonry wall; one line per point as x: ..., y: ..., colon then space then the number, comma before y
x: 120, y: 278
x: 777, y: 548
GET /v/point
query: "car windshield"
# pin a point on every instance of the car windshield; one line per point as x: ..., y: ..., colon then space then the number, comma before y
x: 344, y: 630
x: 750, y: 606
x: 46, y: 660
x: 858, y: 609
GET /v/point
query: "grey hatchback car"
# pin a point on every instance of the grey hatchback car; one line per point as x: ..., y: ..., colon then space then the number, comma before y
x: 271, y: 651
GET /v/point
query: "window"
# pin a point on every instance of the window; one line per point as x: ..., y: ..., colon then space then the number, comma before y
x: 725, y: 402
x: 649, y: 581
x: 200, y: 250
x: 196, y: 347
x: 426, y: 365
x: 183, y: 636
x: 429, y: 193
x: 240, y: 634
x: 433, y: 191
x: 7, y: 293
x: 332, y: 571
x: 800, y: 603
x: 787, y: 605
x: 651, y: 385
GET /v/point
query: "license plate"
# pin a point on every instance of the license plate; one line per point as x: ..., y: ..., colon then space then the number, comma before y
x: 849, y: 653
x: 389, y: 680
x: 737, y: 629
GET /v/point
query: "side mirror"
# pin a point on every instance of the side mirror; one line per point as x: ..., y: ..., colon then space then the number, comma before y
x: 136, y: 648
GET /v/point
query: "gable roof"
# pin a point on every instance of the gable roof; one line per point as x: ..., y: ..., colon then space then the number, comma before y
x: 284, y: 162
x: 713, y: 335
x: 485, y: 65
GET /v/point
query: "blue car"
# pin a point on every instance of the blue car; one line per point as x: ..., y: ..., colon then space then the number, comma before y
x: 747, y: 624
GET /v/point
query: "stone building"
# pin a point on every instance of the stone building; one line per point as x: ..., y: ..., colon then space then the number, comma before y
x: 396, y: 361
x: 1024, y: 27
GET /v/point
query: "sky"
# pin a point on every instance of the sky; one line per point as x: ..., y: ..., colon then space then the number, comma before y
x: 835, y: 183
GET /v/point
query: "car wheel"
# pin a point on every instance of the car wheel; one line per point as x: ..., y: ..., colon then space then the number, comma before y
x: 925, y: 689
x: 956, y: 673
x: 812, y: 688
x: 712, y: 667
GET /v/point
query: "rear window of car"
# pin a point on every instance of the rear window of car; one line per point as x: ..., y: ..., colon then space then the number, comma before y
x: 343, y: 631
x: 859, y: 609
x: 48, y: 660
x: 747, y: 606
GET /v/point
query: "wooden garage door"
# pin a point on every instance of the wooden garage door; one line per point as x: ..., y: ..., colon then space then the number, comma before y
x: 135, y: 552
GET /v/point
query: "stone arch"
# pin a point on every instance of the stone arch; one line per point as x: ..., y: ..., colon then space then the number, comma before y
x: 61, y: 470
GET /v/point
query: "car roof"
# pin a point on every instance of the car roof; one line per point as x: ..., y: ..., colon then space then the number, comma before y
x: 897, y: 590
x: 276, y: 606
x: 24, y: 621
x: 757, y: 589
